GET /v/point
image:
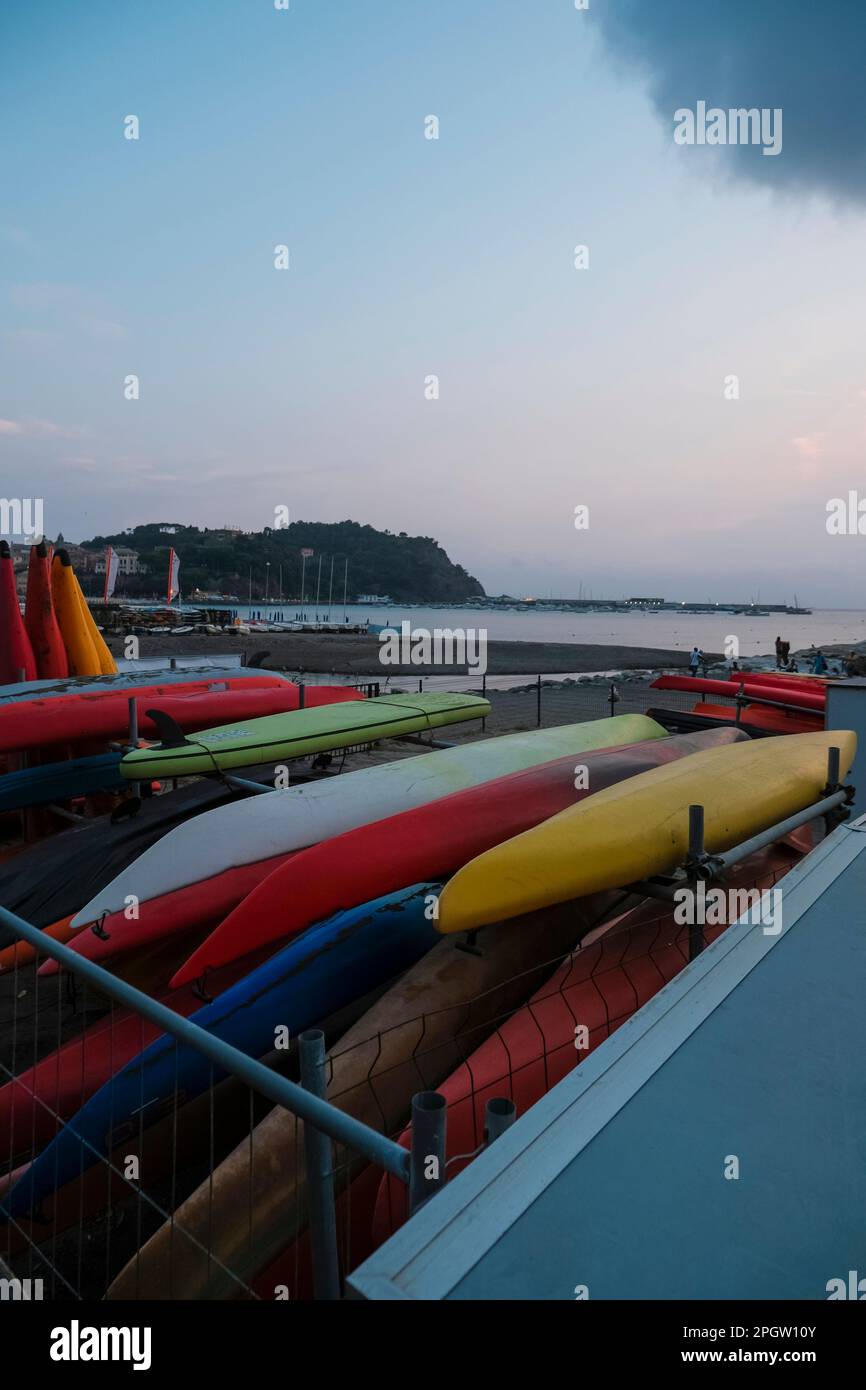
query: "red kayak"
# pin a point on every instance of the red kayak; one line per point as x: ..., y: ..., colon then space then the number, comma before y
x: 201, y: 704
x: 601, y: 985
x: 782, y: 694
x: 779, y: 721
x: 40, y: 620
x: 429, y: 842
x: 782, y: 678
x: 16, y: 653
x: 170, y: 914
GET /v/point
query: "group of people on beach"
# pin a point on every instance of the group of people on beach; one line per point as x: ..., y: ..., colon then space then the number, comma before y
x: 784, y: 661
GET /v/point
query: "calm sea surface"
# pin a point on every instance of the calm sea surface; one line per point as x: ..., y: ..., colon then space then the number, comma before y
x: 669, y: 630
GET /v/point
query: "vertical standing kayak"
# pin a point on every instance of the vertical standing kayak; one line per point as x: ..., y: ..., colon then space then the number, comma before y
x: 107, y: 663
x: 40, y: 620
x: 80, y: 651
x: 16, y: 653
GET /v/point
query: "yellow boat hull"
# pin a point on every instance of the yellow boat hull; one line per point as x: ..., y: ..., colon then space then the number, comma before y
x: 80, y: 651
x: 640, y: 827
x: 107, y: 663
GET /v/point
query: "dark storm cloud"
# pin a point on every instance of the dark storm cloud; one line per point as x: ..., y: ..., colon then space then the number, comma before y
x: 806, y: 56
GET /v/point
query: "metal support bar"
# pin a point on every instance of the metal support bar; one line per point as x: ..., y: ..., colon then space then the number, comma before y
x: 499, y: 1115
x: 743, y: 699
x: 242, y: 784
x: 538, y: 704
x: 696, y: 871
x: 776, y: 832
x: 718, y: 863
x: 134, y: 787
x: 427, y: 1154
x: 318, y: 1158
x: 340, y: 1126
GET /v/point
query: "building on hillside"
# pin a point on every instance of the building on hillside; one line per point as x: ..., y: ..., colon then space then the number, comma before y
x: 127, y: 561
x: 82, y: 560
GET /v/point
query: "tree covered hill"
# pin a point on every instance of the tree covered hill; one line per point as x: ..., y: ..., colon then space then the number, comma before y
x: 412, y: 569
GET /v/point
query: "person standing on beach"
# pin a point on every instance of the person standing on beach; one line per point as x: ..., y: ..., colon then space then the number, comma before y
x: 778, y: 653
x: 820, y: 665
x: 786, y: 651
x: 695, y: 660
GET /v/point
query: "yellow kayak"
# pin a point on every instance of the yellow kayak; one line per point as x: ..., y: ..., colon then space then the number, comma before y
x: 82, y: 654
x: 107, y: 663
x: 640, y: 827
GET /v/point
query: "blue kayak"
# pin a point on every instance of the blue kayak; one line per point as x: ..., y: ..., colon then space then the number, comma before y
x: 38, y: 786
x: 323, y: 970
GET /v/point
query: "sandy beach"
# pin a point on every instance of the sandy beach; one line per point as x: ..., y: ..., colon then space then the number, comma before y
x: 359, y: 655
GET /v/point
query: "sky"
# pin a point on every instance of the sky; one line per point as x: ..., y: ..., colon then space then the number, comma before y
x: 607, y: 387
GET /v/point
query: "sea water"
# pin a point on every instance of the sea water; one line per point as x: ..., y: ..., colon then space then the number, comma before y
x: 669, y: 630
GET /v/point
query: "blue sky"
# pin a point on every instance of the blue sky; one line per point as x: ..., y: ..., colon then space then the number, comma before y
x: 409, y: 257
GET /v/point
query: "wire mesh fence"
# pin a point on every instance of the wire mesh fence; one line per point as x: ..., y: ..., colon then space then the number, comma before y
x: 183, y: 1181
x: 135, y: 1166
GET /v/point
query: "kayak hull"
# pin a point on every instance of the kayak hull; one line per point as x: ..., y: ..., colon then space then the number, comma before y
x: 297, y: 817
x: 600, y: 986
x: 806, y: 699
x: 253, y: 1205
x: 303, y: 733
x: 311, y: 978
x: 71, y: 718
x: 16, y: 652
x: 640, y: 828
x: 40, y: 619
x: 429, y: 842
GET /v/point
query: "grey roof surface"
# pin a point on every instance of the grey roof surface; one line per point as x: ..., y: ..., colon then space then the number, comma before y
x: 615, y: 1180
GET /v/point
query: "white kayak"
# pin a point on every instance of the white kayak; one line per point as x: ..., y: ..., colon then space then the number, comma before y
x: 280, y: 822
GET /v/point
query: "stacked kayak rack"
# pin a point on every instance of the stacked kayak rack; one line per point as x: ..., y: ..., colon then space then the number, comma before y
x: 419, y: 1162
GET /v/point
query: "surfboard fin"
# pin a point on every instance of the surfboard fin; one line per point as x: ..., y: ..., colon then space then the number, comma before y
x: 170, y: 734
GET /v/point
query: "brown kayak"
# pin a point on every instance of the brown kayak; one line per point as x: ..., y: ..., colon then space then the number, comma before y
x: 253, y: 1206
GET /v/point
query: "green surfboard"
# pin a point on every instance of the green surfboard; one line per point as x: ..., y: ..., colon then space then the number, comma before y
x: 301, y: 733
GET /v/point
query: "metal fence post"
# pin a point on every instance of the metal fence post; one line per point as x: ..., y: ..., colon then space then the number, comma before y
x: 318, y: 1158
x: 499, y: 1115
x: 427, y: 1157
x: 301, y: 694
x: 696, y: 854
x: 538, y: 705
x: 134, y: 787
